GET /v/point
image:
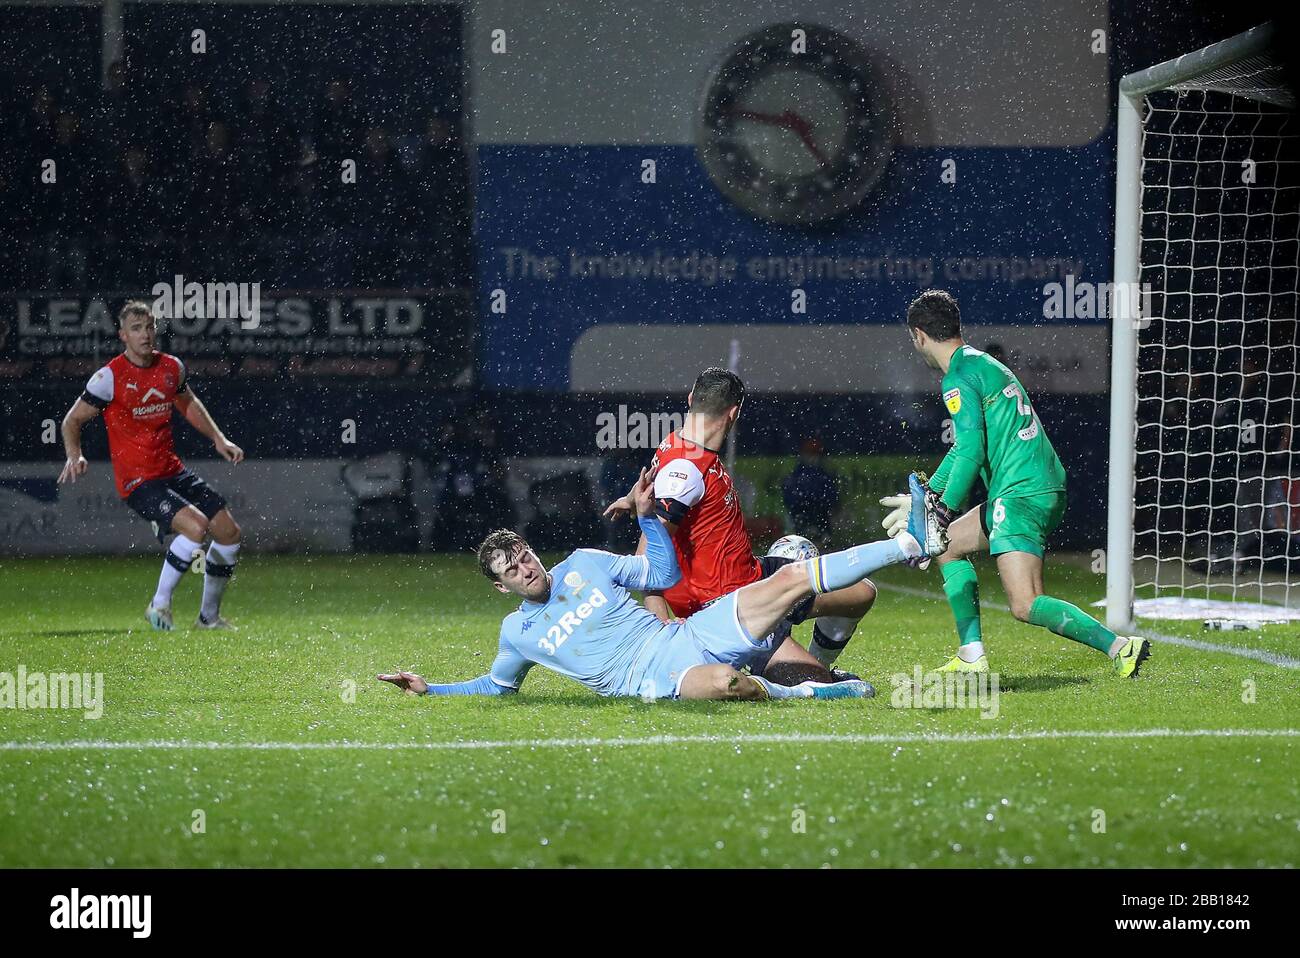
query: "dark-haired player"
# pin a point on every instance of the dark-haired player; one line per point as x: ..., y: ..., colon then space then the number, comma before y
x: 999, y: 439
x: 580, y: 620
x: 699, y: 504
x: 136, y: 392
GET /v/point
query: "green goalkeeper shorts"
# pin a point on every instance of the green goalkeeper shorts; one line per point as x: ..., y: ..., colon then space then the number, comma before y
x: 1022, y: 524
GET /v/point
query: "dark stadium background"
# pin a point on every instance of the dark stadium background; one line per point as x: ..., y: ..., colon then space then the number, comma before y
x: 430, y: 214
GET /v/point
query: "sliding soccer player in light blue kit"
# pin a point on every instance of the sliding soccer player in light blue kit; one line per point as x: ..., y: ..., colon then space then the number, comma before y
x: 580, y: 619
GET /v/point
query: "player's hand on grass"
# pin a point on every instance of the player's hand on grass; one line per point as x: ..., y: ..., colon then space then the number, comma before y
x: 74, y: 469
x: 406, y: 681
x: 228, y: 450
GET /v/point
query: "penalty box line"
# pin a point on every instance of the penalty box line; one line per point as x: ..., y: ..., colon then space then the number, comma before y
x: 793, y: 738
x: 1258, y: 655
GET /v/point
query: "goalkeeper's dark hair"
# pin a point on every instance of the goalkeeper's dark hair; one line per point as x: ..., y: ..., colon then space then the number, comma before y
x: 136, y: 307
x: 503, y: 541
x: 716, y: 390
x: 935, y: 313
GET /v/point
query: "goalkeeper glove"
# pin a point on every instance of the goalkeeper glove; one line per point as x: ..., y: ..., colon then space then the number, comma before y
x: 896, y: 522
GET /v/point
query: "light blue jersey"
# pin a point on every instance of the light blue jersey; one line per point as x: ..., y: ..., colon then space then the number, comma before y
x: 590, y: 628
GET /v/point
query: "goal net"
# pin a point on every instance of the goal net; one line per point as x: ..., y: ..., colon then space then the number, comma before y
x: 1204, y: 478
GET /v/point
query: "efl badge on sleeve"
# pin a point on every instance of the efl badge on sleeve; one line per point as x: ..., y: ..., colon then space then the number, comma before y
x: 952, y: 399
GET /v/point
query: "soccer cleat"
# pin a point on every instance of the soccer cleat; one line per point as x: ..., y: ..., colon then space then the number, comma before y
x: 220, y: 622
x: 842, y: 676
x: 923, y: 519
x: 160, y: 619
x: 1130, y: 658
x: 957, y: 664
x: 850, y: 689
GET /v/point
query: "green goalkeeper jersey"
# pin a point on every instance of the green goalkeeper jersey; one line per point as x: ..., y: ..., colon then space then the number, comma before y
x: 997, y: 435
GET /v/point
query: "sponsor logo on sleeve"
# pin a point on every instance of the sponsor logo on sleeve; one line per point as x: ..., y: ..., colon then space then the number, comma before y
x: 952, y: 399
x: 674, y: 484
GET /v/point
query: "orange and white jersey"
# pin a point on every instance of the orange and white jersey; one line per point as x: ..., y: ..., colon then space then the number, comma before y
x: 137, y: 405
x: 694, y: 491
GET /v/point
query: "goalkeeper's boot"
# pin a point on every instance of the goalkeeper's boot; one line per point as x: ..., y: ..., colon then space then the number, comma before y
x: 957, y: 664
x: 923, y: 520
x: 1129, y: 659
x: 842, y: 676
x: 220, y: 622
x: 850, y: 689
x: 160, y: 619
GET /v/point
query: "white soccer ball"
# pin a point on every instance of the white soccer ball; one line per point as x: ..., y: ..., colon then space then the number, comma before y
x: 793, y: 547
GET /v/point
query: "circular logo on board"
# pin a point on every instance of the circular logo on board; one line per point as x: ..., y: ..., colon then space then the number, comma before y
x: 795, y: 126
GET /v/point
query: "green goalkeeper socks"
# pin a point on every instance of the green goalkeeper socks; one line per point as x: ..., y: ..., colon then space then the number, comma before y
x: 963, y: 591
x: 1070, y: 621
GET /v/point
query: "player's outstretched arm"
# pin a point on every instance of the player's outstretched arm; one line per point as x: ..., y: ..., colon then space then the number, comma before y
x: 664, y: 571
x: 661, y: 558
x: 75, y: 467
x: 508, y: 671
x: 410, y: 682
x: 197, y: 415
x: 653, y: 599
x: 655, y: 570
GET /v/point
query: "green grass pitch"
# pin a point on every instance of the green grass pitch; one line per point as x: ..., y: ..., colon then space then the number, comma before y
x: 360, y: 775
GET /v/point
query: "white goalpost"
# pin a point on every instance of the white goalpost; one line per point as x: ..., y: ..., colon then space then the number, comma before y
x: 1204, y: 491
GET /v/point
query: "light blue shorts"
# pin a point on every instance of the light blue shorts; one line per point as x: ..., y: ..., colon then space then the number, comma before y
x: 712, y: 636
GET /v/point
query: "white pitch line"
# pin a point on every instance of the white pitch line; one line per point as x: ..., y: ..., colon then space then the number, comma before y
x: 1259, y: 655
x: 792, y: 738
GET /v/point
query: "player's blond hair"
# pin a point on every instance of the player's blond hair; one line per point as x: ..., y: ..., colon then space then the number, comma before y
x: 133, y: 307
